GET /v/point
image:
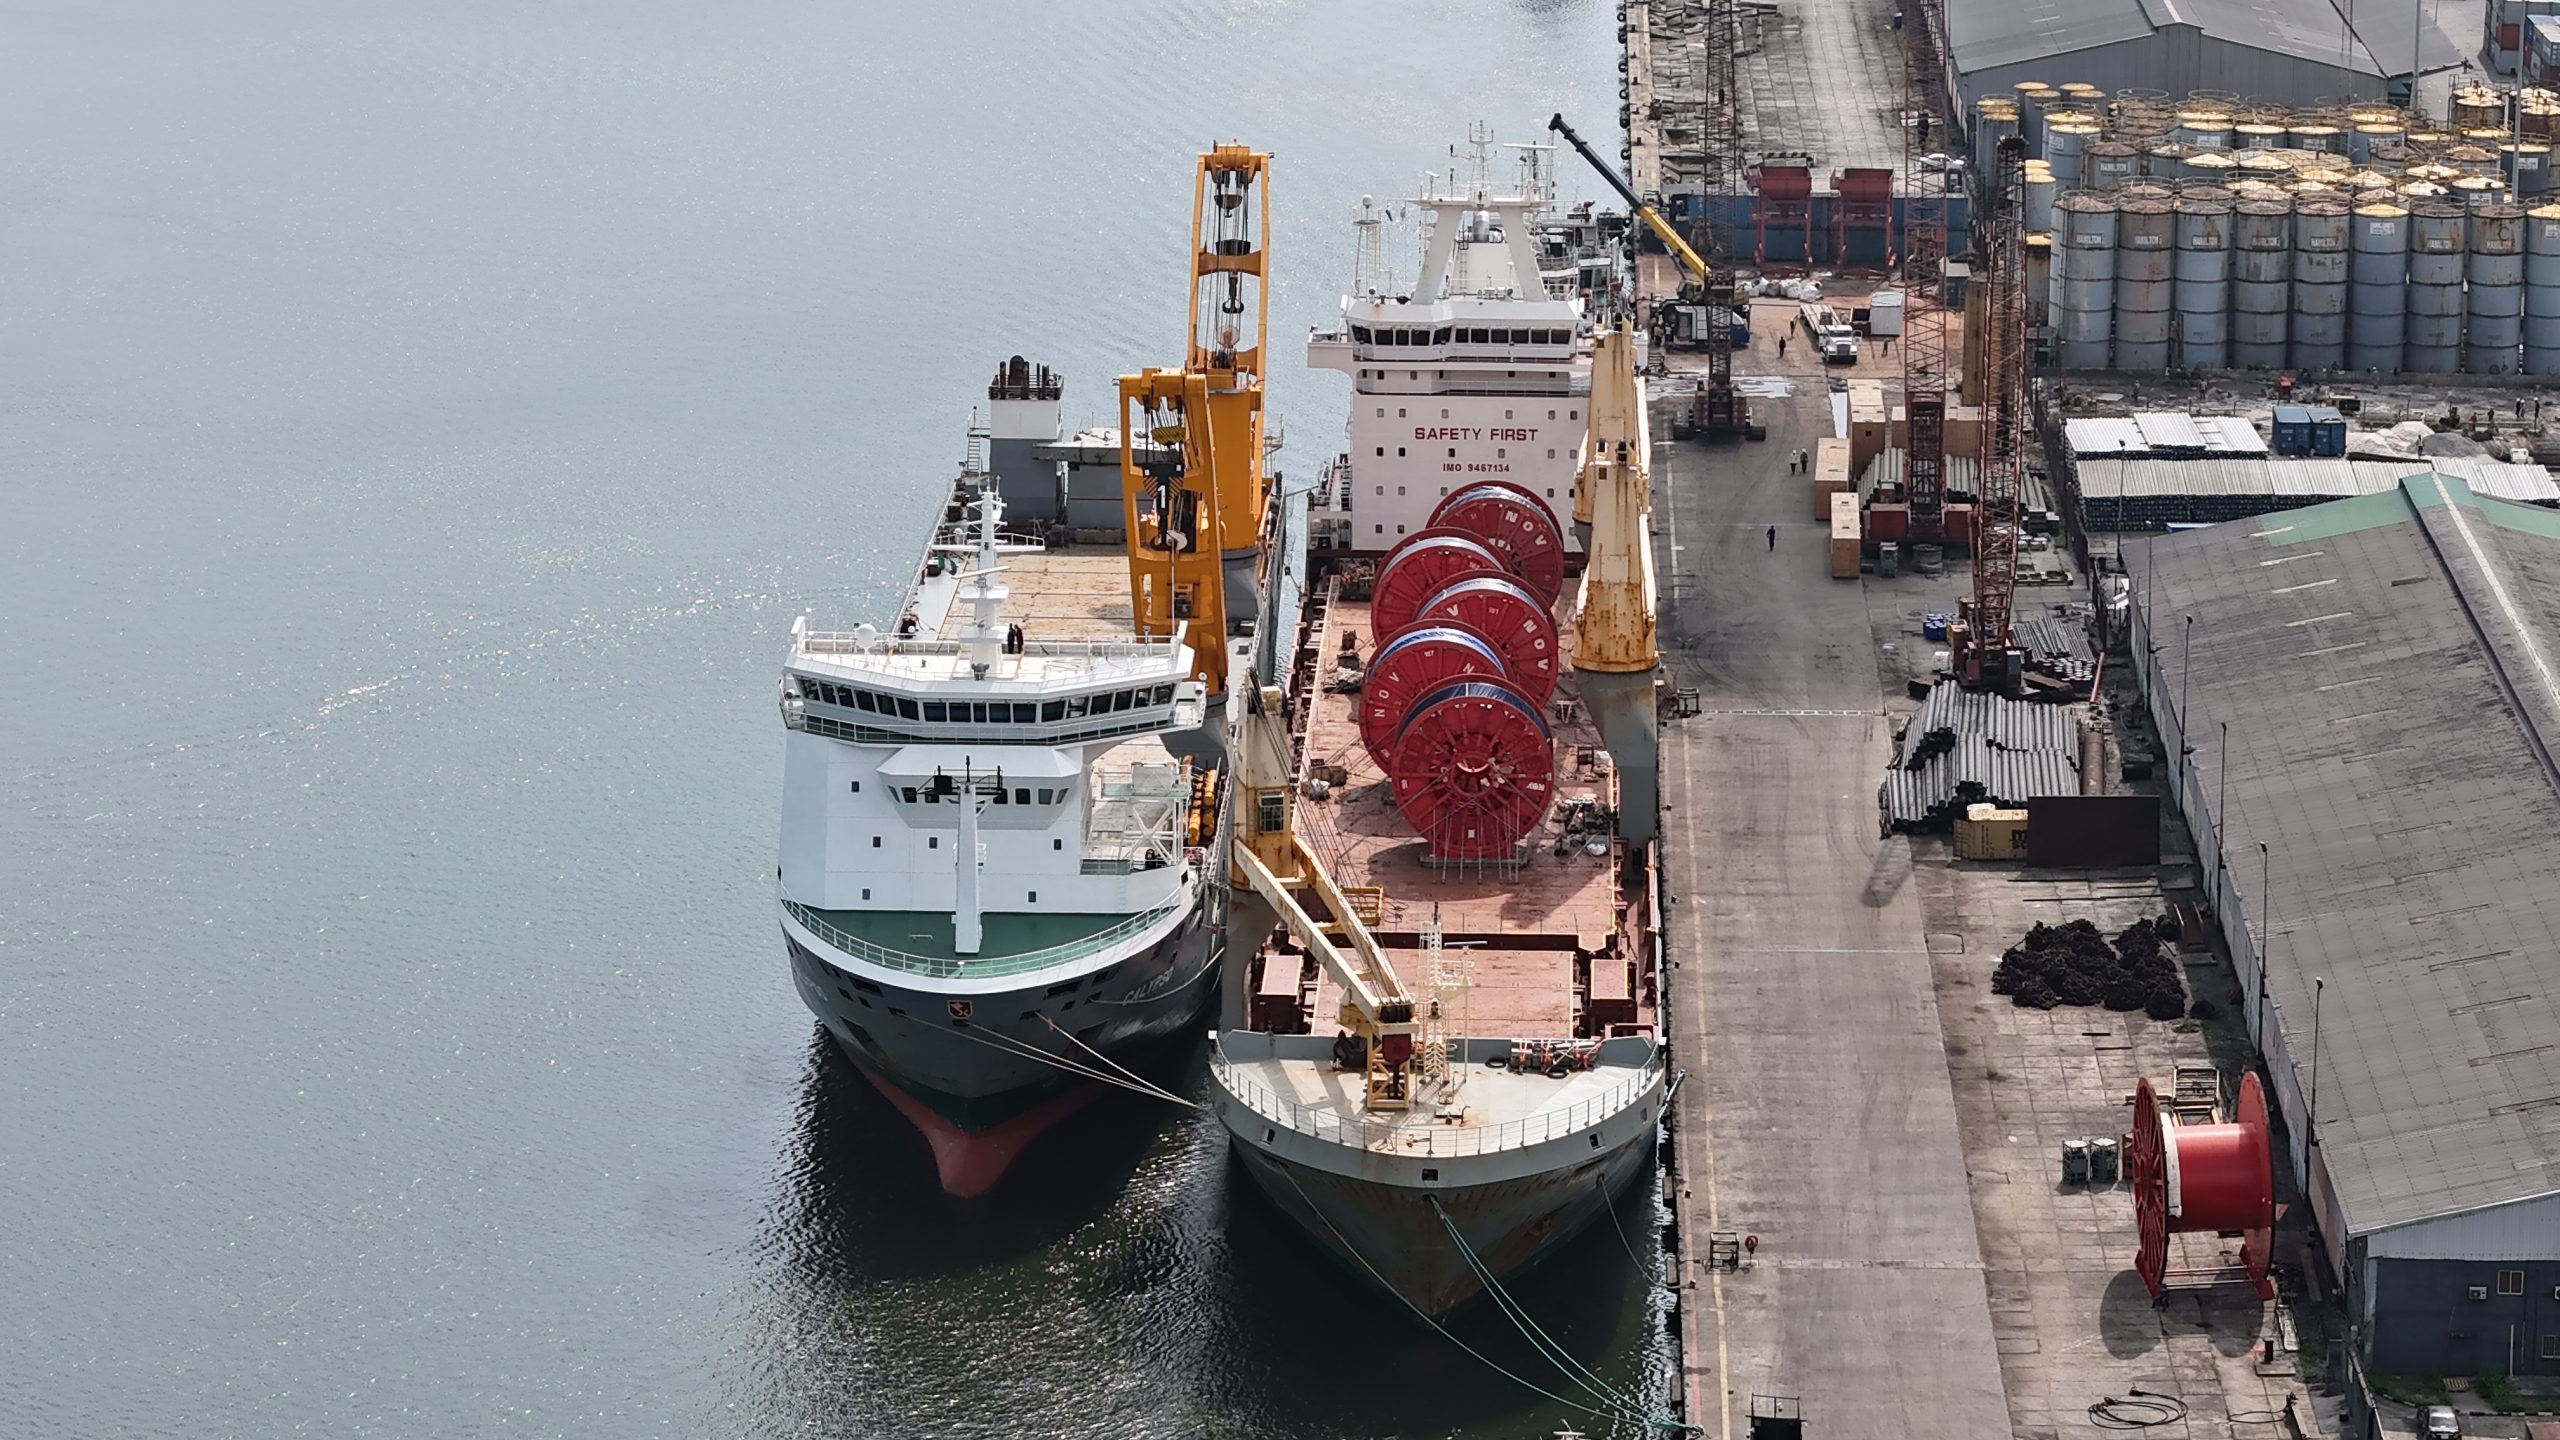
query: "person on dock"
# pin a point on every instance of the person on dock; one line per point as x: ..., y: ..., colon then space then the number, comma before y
x: 1773, y: 539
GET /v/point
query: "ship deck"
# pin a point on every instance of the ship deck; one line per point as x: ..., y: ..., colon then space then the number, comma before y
x: 1488, y: 1111
x: 1073, y: 596
x: 1513, y: 934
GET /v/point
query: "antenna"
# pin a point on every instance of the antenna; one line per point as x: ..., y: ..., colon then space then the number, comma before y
x: 1369, y: 250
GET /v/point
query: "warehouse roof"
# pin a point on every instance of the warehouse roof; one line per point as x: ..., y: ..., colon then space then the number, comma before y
x: 2306, y: 480
x: 1988, y: 33
x: 2163, y: 432
x: 2389, y: 669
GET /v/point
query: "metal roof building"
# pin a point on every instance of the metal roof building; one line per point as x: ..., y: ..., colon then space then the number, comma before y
x: 2372, y: 775
x: 2291, y: 51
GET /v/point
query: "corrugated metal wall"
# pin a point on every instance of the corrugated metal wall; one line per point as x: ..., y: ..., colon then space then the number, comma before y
x: 2425, y: 1320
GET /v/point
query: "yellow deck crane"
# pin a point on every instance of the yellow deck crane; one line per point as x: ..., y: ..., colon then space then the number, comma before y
x: 1192, y: 481
x: 1616, y: 655
x: 1268, y: 856
x: 1705, y: 292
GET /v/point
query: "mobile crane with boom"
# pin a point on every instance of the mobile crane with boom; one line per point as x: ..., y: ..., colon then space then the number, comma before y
x: 1706, y: 298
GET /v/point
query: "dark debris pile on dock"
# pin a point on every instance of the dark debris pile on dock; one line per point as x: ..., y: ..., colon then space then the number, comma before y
x: 2073, y: 964
x: 1966, y: 748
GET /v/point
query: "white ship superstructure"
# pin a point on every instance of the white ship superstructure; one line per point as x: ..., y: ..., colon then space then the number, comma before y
x: 991, y: 870
x: 1479, y: 371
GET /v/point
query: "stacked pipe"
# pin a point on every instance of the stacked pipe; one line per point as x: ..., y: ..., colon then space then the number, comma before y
x: 1462, y: 615
x: 2495, y: 277
x: 2542, y: 291
x: 2434, y: 326
x: 2319, y: 339
x: 2203, y: 268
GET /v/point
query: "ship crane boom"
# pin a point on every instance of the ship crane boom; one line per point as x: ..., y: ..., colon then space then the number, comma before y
x: 1268, y: 856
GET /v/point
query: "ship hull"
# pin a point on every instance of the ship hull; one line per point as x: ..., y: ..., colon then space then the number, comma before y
x: 1393, y: 1235
x: 982, y: 1082
x: 1383, y: 1194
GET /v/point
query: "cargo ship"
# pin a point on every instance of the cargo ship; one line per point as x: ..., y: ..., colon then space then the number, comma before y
x: 1451, y: 1059
x: 998, y: 880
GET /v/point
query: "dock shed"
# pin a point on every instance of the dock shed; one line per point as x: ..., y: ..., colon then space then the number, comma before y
x: 2359, y: 711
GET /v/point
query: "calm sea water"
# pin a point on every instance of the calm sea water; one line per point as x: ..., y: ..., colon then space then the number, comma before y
x: 418, y: 427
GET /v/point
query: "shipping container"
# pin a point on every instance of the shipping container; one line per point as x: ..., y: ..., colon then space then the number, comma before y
x: 1884, y: 314
x: 1844, y: 537
x: 1830, y: 474
x: 2293, y: 430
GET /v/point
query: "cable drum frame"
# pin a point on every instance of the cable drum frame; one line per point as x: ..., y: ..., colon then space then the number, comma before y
x: 2215, y: 1178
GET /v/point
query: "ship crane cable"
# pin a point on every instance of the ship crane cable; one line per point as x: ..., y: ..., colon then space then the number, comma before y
x: 1618, y: 1411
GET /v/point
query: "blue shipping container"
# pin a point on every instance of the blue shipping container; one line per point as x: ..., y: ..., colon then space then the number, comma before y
x: 2328, y: 431
x: 2293, y: 430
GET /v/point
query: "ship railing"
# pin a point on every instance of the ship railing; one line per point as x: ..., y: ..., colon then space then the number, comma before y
x: 1153, y: 650
x: 1420, y: 1133
x: 976, y: 967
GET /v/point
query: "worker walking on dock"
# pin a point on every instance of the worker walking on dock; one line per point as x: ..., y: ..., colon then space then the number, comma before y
x: 1773, y: 539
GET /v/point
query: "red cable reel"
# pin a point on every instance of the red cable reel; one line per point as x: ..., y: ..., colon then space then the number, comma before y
x: 1419, y: 567
x: 2190, y: 1179
x: 1474, y: 769
x: 1507, y: 613
x: 1427, y: 656
x: 1512, y: 522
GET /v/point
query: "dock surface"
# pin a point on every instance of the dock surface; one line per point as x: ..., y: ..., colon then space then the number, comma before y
x: 1818, y: 1113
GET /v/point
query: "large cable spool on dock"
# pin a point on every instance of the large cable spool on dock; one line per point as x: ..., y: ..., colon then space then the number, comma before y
x: 2191, y: 1179
x: 1473, y: 765
x: 1512, y: 522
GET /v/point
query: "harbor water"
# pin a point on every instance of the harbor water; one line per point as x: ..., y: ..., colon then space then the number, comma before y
x: 423, y: 426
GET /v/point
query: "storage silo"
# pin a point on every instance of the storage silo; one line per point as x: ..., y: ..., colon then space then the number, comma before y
x: 2542, y: 290
x: 2494, y: 275
x: 2039, y: 248
x: 2165, y: 160
x: 2146, y: 280
x: 2212, y: 167
x: 2063, y: 142
x: 2320, y: 264
x: 2478, y: 107
x: 2261, y: 281
x: 1995, y: 118
x: 2108, y: 164
x: 2203, y: 271
x: 2084, y: 278
x: 2039, y: 188
x: 2378, y: 286
x: 2527, y: 168
x: 2541, y: 117
x: 2434, y: 332
x: 2365, y: 141
x: 2205, y: 129
x: 2472, y: 192
x: 2032, y: 97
